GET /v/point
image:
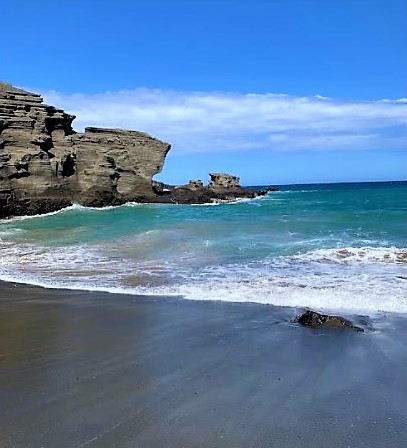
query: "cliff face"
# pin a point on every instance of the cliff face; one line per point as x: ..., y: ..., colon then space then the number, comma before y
x: 46, y: 165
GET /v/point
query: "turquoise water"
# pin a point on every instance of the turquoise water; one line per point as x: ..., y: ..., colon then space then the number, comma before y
x: 331, y: 246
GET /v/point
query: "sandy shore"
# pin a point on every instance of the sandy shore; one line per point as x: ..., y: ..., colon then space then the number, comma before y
x: 101, y: 370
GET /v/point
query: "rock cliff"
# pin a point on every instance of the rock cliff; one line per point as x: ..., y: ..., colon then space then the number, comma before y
x: 46, y: 165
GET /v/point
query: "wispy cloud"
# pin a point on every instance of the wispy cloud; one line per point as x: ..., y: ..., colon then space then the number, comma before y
x: 218, y: 121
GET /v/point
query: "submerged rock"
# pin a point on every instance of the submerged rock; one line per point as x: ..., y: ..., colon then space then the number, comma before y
x: 313, y: 319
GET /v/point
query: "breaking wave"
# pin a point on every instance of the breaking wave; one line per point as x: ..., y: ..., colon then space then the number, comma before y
x: 362, y: 279
x: 341, y: 247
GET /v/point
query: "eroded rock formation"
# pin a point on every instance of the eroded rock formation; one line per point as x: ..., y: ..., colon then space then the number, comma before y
x: 223, y: 182
x: 46, y: 165
x: 221, y: 188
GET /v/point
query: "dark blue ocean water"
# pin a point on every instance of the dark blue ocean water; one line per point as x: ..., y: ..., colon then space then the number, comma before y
x: 331, y: 246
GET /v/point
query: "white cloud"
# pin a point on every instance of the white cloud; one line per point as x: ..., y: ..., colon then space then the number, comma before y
x: 218, y: 121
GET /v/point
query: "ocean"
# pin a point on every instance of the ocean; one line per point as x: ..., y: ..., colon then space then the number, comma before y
x: 325, y: 246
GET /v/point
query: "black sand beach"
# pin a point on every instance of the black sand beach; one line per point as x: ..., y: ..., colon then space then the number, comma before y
x: 101, y: 370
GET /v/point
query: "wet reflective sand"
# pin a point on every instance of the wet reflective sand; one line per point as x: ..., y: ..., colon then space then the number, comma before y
x: 103, y: 370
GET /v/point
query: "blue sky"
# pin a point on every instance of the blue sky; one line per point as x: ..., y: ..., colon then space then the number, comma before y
x: 276, y: 91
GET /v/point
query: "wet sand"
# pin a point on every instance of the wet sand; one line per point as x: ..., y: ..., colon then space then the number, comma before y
x: 81, y: 369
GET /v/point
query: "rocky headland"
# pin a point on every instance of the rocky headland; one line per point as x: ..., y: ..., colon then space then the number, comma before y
x: 46, y: 165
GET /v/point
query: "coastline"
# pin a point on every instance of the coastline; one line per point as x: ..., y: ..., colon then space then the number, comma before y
x: 81, y: 368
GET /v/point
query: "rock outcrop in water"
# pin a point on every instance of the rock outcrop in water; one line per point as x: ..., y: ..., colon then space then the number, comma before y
x: 45, y: 165
x: 221, y: 188
x: 313, y: 319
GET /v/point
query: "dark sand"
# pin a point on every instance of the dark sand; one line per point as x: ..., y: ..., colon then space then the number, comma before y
x: 100, y: 370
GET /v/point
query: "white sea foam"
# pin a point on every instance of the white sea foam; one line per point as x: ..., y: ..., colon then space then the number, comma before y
x: 341, y: 297
x: 358, y: 255
x: 233, y: 202
x: 9, y: 233
x: 72, y: 207
x: 27, y: 217
x: 367, y: 279
x: 132, y: 204
x: 285, y: 192
x: 364, y: 279
x: 346, y: 298
x: 57, y: 212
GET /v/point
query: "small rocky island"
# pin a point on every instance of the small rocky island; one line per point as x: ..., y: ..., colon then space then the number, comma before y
x: 45, y: 165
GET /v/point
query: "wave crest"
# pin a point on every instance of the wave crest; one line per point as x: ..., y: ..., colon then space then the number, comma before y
x: 358, y: 255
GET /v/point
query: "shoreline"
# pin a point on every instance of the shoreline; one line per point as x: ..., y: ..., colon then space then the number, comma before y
x: 78, y: 206
x: 281, y: 188
x: 99, y: 369
x: 359, y: 315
